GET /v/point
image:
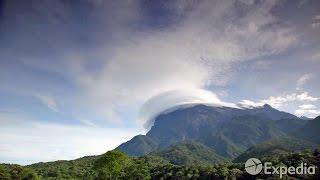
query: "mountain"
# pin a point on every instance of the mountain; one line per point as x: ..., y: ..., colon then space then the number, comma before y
x: 302, y: 135
x: 276, y: 147
x: 228, y: 131
x: 236, y: 135
x: 310, y: 131
x: 290, y: 125
x: 139, y: 145
x: 187, y: 153
x: 305, y: 118
x: 271, y: 113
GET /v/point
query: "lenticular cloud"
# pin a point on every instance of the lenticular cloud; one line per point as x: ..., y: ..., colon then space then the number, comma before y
x: 170, y: 100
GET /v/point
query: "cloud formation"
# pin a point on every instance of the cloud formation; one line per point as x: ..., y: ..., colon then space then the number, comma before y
x: 303, y: 80
x: 309, y: 110
x: 281, y: 102
x: 196, y: 52
x: 170, y: 100
x: 307, y: 106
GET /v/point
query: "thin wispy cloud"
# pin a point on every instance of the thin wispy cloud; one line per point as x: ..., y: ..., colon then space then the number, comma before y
x: 303, y: 80
x: 47, y: 101
x: 307, y: 106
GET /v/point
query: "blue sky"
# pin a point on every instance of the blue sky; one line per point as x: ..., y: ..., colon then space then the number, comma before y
x: 76, y: 76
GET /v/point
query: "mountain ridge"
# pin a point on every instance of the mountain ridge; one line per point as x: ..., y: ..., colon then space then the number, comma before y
x: 209, y: 126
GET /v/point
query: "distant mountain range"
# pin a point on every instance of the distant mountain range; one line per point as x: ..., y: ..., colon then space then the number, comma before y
x: 223, y: 132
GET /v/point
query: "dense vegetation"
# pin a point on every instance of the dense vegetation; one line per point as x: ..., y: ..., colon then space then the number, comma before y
x: 189, y: 153
x: 75, y: 169
x: 16, y: 172
x: 117, y: 165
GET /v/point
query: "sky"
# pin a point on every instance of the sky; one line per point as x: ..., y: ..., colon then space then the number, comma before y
x: 80, y: 77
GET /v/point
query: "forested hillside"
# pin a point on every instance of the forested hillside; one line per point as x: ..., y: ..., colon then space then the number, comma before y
x: 117, y: 165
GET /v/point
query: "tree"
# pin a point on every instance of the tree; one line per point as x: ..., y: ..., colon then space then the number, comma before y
x: 234, y: 173
x: 28, y: 174
x: 111, y: 165
x: 136, y: 169
x: 17, y: 172
x: 4, y: 174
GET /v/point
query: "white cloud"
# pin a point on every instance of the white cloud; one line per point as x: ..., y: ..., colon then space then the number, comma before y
x: 136, y: 63
x: 249, y: 104
x: 307, y: 112
x: 170, y: 100
x: 88, y: 123
x: 279, y: 101
x: 192, y: 54
x: 306, y: 97
x: 286, y: 102
x: 47, y: 101
x: 303, y: 80
x: 283, y: 100
x: 307, y: 106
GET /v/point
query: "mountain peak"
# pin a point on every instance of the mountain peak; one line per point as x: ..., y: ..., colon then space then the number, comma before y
x: 305, y: 118
x: 267, y: 106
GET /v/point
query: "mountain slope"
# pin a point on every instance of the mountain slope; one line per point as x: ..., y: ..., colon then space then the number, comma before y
x: 236, y: 135
x: 188, y: 123
x: 290, y: 125
x: 139, y: 145
x: 187, y: 153
x: 269, y: 112
x: 64, y: 169
x: 275, y: 147
x: 229, y: 131
x: 310, y: 131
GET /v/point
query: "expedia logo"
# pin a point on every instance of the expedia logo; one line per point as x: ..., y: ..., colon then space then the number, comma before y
x: 254, y: 166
